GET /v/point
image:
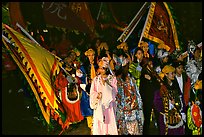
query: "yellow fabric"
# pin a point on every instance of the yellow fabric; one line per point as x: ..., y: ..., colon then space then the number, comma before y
x: 43, y: 66
x: 166, y: 69
x: 89, y: 121
x: 93, y: 71
x: 198, y: 84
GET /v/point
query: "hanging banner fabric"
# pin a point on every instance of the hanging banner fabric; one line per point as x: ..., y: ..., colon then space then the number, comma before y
x: 60, y: 15
x: 40, y: 69
x: 160, y: 27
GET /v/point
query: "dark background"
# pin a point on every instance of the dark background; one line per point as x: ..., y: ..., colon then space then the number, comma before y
x: 188, y: 15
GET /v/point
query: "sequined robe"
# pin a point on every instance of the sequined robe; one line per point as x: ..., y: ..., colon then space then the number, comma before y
x: 129, y: 111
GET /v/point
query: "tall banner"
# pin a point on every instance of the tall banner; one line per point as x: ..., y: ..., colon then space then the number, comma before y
x: 160, y: 28
x: 59, y: 14
x: 39, y: 67
x: 16, y: 15
x: 81, y: 9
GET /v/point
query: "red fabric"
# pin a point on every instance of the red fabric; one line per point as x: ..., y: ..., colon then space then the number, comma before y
x: 163, y: 90
x: 187, y: 88
x: 73, y: 110
x: 163, y: 32
x: 59, y: 14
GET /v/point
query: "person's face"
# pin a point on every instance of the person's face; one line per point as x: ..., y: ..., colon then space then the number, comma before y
x: 170, y: 76
x: 91, y: 57
x: 145, y: 49
x: 68, y: 60
x: 102, y: 70
x: 179, y: 70
x: 150, y: 64
x: 139, y: 55
x: 73, y: 56
x: 197, y: 54
x: 165, y: 59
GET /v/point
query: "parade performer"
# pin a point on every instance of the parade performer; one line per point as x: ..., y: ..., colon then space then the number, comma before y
x: 129, y: 110
x: 168, y: 104
x: 102, y: 100
x: 87, y: 72
x: 68, y: 90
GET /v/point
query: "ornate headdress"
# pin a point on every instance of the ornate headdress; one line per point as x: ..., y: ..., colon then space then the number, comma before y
x: 120, y: 61
x: 89, y: 51
x: 165, y: 70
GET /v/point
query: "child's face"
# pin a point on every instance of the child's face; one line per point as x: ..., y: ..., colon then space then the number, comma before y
x: 139, y: 54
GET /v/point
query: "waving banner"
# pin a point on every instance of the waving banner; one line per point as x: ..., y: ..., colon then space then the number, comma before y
x: 40, y: 68
x: 160, y: 28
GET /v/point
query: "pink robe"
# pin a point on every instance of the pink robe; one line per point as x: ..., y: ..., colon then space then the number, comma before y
x: 104, y: 118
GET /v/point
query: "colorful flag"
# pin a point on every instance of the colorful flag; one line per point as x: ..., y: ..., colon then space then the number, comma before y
x: 160, y: 28
x: 40, y: 69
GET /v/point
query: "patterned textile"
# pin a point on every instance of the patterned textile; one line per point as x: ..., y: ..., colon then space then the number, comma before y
x: 129, y: 113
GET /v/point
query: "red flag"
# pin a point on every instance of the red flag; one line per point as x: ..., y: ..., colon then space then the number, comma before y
x: 160, y: 26
x: 82, y: 10
x: 59, y: 14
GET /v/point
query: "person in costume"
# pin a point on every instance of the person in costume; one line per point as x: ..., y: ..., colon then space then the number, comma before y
x: 163, y: 57
x: 145, y: 47
x: 135, y: 66
x: 102, y: 100
x: 194, y: 65
x: 68, y: 91
x: 129, y: 110
x: 184, y: 83
x: 169, y: 105
x: 87, y: 72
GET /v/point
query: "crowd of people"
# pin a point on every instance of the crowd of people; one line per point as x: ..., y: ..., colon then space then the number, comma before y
x: 118, y: 92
